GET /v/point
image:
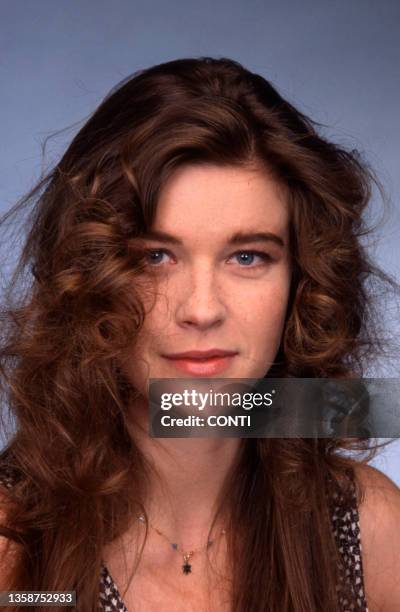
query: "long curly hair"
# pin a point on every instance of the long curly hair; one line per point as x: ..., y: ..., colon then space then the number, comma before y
x: 79, y: 479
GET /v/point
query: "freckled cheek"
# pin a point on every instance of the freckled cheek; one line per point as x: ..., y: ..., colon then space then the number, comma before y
x: 157, y: 307
x: 263, y: 318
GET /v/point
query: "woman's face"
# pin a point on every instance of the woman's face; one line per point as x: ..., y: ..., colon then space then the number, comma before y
x: 220, y: 284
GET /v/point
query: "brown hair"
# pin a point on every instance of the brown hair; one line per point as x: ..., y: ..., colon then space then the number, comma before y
x: 82, y: 308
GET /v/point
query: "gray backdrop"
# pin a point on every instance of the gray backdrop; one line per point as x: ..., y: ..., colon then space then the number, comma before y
x: 337, y: 61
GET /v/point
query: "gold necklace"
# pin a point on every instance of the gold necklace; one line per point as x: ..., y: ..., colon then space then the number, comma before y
x: 186, y: 567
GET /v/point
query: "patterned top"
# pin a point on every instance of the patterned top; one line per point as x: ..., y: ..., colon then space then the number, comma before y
x: 346, y: 529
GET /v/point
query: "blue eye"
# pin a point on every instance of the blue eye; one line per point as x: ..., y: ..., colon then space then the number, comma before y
x: 247, y: 257
x: 153, y: 256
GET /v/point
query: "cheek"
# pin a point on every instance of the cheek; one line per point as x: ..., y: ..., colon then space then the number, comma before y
x: 265, y: 316
x: 157, y: 315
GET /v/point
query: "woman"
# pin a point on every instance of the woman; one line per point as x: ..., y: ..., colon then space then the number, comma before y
x: 196, y: 210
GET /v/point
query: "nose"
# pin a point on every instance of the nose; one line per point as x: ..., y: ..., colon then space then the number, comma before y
x: 200, y: 303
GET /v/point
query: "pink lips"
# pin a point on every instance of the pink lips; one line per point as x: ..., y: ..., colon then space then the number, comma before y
x: 202, y: 363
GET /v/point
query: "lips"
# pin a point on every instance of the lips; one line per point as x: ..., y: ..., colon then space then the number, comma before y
x: 201, y: 354
x: 202, y: 363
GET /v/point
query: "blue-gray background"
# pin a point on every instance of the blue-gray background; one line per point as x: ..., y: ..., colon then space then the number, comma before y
x: 338, y: 61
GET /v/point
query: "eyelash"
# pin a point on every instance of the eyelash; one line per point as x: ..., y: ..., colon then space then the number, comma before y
x: 265, y: 257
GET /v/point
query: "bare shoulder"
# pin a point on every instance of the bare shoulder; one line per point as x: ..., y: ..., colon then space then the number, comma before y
x: 8, y: 548
x: 379, y: 515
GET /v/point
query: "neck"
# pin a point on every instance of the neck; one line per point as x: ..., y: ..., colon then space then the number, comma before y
x: 186, y: 479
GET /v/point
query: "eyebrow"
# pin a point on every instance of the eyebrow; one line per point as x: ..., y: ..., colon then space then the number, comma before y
x: 236, y: 238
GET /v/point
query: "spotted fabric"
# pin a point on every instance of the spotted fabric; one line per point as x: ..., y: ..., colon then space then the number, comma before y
x: 346, y: 529
x: 110, y: 599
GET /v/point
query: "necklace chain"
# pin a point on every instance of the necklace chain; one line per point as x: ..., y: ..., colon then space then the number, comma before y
x: 187, y: 554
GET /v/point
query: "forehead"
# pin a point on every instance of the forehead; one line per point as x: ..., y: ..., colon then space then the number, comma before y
x: 219, y: 199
